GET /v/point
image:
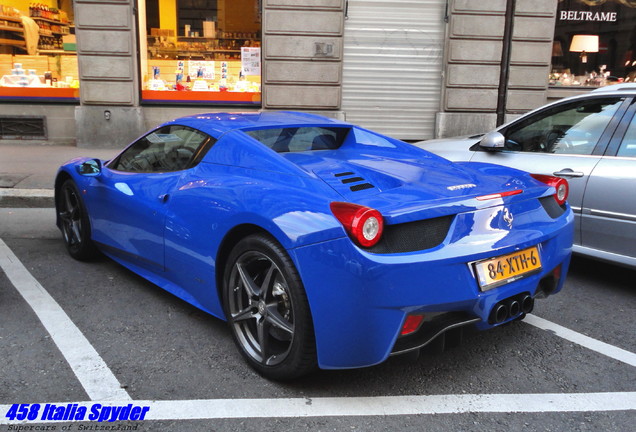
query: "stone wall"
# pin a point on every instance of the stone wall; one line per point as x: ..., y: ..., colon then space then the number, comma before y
x: 109, y: 112
x: 302, y: 56
x: 473, y: 60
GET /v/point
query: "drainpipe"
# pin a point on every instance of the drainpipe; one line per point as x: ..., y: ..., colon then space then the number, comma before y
x: 504, y: 72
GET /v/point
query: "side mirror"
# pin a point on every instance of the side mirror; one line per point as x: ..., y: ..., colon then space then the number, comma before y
x: 90, y: 168
x: 493, y: 141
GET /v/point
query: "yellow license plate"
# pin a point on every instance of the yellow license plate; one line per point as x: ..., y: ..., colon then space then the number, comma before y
x: 501, y: 270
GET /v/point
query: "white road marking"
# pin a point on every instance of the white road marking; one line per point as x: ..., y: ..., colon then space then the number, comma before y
x: 91, y: 370
x: 585, y: 341
x: 368, y: 406
x: 389, y: 405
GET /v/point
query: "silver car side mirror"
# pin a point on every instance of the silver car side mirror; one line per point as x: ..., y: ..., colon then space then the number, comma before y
x: 493, y: 141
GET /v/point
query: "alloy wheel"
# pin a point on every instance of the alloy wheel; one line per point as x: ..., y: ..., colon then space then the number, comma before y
x: 71, y: 217
x: 261, y: 309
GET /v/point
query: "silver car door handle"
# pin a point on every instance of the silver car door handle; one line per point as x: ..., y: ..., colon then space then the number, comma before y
x: 567, y: 172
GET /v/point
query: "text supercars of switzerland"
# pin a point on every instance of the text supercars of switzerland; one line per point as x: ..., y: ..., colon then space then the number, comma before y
x: 75, y: 412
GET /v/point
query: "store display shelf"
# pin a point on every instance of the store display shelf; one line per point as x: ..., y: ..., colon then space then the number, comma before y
x: 8, y: 18
x: 196, y: 52
x: 56, y: 51
x: 196, y: 37
x: 209, y: 38
x: 50, y: 21
x: 13, y: 42
x: 12, y: 29
x: 203, y: 38
x: 45, y: 32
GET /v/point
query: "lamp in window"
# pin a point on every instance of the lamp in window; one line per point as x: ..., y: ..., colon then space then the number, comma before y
x: 584, y: 44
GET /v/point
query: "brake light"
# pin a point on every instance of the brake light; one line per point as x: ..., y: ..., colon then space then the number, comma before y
x: 560, y: 185
x: 499, y: 195
x: 411, y: 324
x: 364, y: 224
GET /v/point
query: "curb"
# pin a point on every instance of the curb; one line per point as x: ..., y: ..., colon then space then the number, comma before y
x: 30, y: 198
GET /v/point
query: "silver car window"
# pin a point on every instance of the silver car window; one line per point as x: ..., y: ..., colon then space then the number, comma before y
x: 570, y: 129
x: 628, y: 146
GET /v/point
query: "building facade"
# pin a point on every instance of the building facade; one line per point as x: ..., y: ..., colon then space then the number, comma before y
x: 412, y: 69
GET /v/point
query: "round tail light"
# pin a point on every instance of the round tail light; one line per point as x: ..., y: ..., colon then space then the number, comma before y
x: 560, y: 185
x: 363, y: 224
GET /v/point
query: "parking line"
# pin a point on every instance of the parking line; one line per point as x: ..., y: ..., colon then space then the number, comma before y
x: 369, y: 406
x: 389, y: 405
x: 585, y: 341
x: 90, y: 369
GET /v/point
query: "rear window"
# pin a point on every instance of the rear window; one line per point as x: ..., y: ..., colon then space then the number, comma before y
x: 300, y: 139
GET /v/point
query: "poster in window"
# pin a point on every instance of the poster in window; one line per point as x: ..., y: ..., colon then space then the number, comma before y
x: 250, y: 61
x: 201, y: 69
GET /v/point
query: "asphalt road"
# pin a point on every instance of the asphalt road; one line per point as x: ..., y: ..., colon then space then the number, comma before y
x: 150, y: 349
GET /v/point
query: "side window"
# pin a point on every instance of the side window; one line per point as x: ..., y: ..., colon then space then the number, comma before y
x: 628, y: 146
x: 571, y: 129
x: 313, y: 138
x: 300, y: 139
x: 171, y: 148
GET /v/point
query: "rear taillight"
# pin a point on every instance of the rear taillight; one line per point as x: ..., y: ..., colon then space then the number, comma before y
x: 560, y: 185
x: 363, y: 224
x: 411, y: 324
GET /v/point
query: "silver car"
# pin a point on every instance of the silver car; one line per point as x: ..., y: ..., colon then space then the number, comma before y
x: 590, y: 140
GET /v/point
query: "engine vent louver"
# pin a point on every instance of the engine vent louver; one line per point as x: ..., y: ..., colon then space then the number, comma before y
x: 352, y: 180
x: 360, y: 187
x: 413, y: 236
x: 356, y: 179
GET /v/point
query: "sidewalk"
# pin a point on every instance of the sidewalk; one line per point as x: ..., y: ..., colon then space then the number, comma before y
x: 27, y: 173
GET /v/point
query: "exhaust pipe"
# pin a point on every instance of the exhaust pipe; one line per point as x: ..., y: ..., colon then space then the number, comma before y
x: 514, y: 308
x: 501, y: 313
x: 527, y: 304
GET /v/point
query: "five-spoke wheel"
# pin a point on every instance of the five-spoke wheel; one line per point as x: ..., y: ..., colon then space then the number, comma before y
x: 74, y: 222
x: 267, y: 309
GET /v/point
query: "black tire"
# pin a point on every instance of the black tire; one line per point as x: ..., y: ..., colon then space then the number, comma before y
x: 74, y: 223
x: 267, y: 309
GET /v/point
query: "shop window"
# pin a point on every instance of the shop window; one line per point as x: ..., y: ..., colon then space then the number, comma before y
x: 594, y: 43
x: 37, y: 51
x: 200, y: 51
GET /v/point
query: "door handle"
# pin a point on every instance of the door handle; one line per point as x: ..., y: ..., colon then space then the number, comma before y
x: 164, y: 198
x: 567, y: 172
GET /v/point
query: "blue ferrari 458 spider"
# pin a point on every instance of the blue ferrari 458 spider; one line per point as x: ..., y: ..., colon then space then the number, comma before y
x: 321, y: 243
